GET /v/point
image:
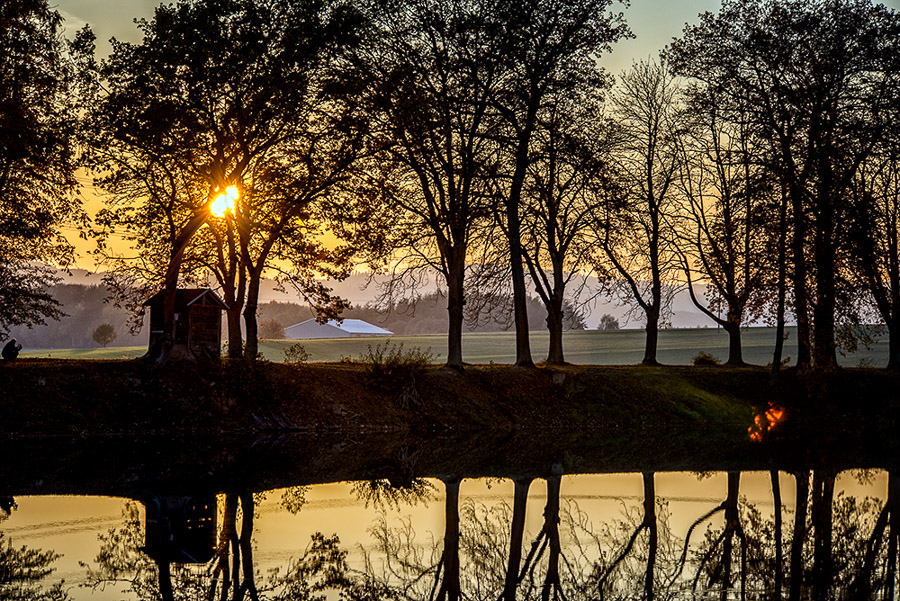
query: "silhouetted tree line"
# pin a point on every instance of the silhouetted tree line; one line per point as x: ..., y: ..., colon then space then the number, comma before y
x: 479, y: 140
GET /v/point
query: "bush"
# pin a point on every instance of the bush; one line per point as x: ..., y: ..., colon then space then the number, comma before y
x: 271, y: 329
x: 703, y: 358
x: 104, y: 334
x: 394, y: 370
x: 391, y: 361
x: 296, y: 354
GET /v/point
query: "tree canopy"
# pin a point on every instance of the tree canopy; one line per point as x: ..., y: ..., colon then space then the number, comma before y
x: 39, y: 154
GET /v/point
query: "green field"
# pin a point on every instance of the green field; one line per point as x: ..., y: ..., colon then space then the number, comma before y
x: 616, y: 347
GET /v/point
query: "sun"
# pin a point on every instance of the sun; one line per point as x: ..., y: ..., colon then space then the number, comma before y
x: 224, y: 202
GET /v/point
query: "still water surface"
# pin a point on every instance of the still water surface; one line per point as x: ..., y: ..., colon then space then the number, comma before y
x: 582, y: 536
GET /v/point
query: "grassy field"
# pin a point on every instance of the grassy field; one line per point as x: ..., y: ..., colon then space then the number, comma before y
x: 617, y: 347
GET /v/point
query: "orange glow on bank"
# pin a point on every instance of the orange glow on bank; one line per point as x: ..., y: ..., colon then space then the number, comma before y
x: 763, y: 423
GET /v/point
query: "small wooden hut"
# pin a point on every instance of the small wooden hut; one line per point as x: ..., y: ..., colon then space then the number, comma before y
x: 180, y: 529
x: 198, y: 321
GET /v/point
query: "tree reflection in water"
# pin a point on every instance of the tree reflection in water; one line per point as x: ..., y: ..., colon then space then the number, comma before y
x: 22, y: 570
x: 838, y: 547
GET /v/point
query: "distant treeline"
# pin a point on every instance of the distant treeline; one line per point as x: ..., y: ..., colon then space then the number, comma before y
x: 427, y: 315
x: 84, y: 308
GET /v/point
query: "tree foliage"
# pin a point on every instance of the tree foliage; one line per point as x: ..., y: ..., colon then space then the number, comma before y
x: 222, y: 93
x: 104, y: 334
x: 22, y: 570
x: 39, y: 153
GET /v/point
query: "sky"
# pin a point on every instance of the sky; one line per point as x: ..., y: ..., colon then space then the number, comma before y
x: 653, y: 22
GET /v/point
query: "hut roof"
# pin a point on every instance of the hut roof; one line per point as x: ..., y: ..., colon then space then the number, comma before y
x: 185, y: 297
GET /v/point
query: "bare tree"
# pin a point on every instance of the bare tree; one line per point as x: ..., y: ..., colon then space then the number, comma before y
x: 818, y: 79
x: 571, y: 166
x: 725, y: 236
x: 635, y: 232
x: 548, y: 49
x: 429, y: 71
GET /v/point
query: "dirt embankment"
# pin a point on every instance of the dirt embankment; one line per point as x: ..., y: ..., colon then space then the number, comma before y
x: 276, y: 425
x: 59, y: 397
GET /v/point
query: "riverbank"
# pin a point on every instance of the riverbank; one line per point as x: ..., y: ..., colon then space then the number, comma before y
x: 276, y: 424
x: 46, y: 397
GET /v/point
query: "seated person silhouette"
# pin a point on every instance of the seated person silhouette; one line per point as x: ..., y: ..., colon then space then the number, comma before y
x: 11, y: 350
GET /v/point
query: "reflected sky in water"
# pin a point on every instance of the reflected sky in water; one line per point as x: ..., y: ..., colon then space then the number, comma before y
x: 600, y: 504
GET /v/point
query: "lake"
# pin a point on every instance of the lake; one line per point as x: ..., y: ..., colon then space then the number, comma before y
x: 378, y: 516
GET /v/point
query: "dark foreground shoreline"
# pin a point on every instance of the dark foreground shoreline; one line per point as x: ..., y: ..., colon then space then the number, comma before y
x: 123, y: 428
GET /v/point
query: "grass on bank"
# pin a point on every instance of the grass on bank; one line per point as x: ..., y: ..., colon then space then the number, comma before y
x: 587, y: 347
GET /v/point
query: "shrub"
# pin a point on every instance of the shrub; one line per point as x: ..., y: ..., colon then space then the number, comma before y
x: 394, y: 370
x: 704, y: 358
x: 104, y: 334
x: 271, y: 329
x: 392, y: 361
x: 296, y: 354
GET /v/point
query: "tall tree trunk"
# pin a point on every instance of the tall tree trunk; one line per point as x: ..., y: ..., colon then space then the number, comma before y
x: 653, y: 532
x: 652, y: 340
x: 514, y: 232
x: 250, y: 324
x: 799, y: 536
x: 551, y: 527
x: 822, y: 510
x: 800, y: 292
x: 235, y: 337
x: 233, y: 316
x: 455, y: 304
x: 779, y: 550
x: 555, y: 328
x: 824, y: 351
x: 233, y: 279
x: 450, y: 584
x: 735, y: 352
x: 523, y: 344
x: 516, y: 536
x: 781, y: 284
